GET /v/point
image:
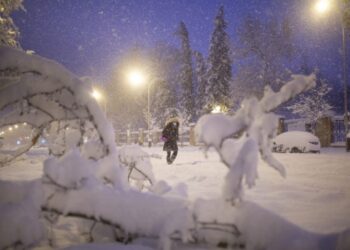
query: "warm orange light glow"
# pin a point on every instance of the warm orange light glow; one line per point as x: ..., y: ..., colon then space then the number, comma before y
x: 322, y: 6
x: 96, y: 94
x: 136, y: 77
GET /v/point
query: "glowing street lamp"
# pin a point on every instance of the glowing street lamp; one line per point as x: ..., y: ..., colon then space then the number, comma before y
x: 136, y: 78
x: 97, y: 95
x: 321, y: 7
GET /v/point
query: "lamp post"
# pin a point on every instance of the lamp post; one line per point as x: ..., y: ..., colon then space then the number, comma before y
x: 136, y: 78
x: 321, y: 7
x: 345, y: 79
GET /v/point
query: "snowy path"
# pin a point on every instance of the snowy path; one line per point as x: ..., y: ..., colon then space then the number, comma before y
x: 315, y: 195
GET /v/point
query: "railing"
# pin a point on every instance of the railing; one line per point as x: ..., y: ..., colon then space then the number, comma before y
x: 335, y: 129
x: 186, y: 137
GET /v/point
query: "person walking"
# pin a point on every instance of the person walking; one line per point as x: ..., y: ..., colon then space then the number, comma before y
x: 170, y: 136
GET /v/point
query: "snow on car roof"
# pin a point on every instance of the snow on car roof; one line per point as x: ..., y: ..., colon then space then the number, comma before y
x: 295, y: 137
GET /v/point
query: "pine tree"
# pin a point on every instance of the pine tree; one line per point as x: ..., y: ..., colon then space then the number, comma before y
x: 220, y: 69
x: 186, y: 74
x: 8, y: 31
x: 202, y: 81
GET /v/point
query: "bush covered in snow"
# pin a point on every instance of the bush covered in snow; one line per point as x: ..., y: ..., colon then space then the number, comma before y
x: 138, y: 164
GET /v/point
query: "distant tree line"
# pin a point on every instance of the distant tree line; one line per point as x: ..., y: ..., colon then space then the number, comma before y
x: 187, y: 84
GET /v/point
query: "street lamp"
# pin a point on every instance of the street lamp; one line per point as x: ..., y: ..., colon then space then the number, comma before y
x: 321, y: 7
x: 97, y: 95
x: 137, y: 77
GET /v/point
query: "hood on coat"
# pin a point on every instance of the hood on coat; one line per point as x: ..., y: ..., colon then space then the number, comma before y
x: 173, y: 119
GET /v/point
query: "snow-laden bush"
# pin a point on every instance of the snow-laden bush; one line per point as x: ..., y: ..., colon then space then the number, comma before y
x: 73, y: 189
x: 239, y: 139
x: 54, y: 102
x: 20, y: 214
x: 138, y: 164
x: 56, y: 105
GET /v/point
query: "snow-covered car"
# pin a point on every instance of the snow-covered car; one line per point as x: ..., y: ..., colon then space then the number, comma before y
x: 296, y: 142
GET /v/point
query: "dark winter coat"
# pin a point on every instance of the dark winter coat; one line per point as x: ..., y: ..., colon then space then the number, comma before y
x: 171, y: 134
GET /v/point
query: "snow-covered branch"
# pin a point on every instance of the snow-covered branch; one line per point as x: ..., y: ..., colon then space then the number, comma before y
x: 138, y: 163
x: 8, y: 156
x: 313, y: 104
x: 240, y: 138
x: 41, y: 92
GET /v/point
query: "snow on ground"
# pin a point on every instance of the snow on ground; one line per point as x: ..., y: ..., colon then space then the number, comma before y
x: 315, y: 195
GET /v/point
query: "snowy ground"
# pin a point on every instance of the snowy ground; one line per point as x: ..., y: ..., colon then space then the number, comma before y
x: 315, y: 195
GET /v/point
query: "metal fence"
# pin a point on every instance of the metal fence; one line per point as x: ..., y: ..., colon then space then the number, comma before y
x: 338, y: 130
x: 186, y: 137
x: 335, y: 128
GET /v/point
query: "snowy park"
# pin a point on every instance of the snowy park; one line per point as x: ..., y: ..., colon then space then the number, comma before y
x: 174, y: 125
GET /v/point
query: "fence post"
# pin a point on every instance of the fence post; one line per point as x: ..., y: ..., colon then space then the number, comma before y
x: 128, y: 136
x: 192, y: 135
x: 323, y: 131
x: 141, y: 138
x: 281, y: 127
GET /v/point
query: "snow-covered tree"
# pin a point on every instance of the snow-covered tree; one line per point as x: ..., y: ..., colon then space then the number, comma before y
x: 219, y: 68
x: 48, y: 98
x: 9, y: 33
x: 186, y: 74
x: 265, y: 47
x: 201, y: 71
x: 239, y: 139
x: 313, y: 104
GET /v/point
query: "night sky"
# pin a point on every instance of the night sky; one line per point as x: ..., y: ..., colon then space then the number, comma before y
x: 89, y: 36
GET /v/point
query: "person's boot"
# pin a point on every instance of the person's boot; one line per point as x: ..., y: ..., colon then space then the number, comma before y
x: 173, y: 157
x: 168, y: 158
